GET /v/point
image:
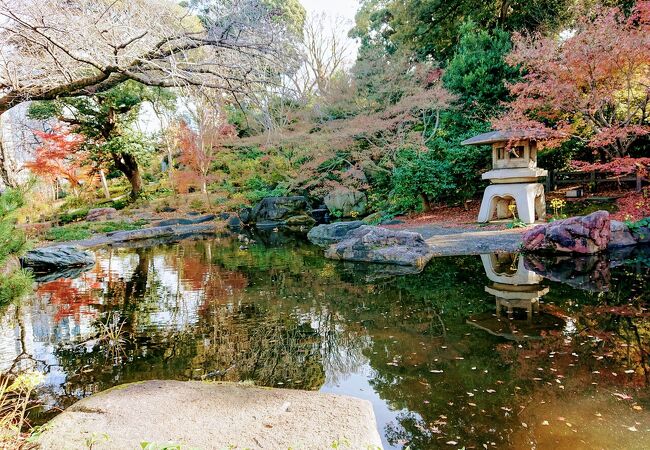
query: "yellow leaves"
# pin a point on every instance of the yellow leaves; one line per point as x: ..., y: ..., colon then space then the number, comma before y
x: 26, y: 382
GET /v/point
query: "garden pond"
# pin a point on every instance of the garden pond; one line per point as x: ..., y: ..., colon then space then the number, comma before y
x: 491, y: 351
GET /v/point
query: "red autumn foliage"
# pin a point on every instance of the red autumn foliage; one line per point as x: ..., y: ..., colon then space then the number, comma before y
x: 635, y: 206
x: 59, y: 156
x: 199, y: 149
x: 591, y: 84
x: 617, y: 166
x: 70, y: 300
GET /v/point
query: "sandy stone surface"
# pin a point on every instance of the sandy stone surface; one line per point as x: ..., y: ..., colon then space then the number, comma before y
x: 201, y: 415
x: 448, y: 241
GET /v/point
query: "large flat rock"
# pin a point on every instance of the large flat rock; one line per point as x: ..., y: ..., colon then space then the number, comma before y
x: 205, y: 416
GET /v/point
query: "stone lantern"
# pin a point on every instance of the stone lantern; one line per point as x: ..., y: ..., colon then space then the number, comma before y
x: 513, y: 285
x: 514, y: 177
x: 516, y: 290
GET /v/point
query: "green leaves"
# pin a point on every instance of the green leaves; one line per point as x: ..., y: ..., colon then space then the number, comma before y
x: 133, y: 143
x: 477, y: 71
x: 419, y: 176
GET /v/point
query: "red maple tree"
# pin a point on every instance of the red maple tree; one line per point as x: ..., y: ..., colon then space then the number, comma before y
x: 70, y: 299
x: 59, y: 156
x: 199, y: 148
x: 592, y: 83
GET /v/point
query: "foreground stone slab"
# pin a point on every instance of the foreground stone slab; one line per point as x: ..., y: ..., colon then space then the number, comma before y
x: 213, y: 416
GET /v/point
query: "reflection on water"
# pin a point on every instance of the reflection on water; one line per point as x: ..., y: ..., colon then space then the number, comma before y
x: 507, y: 360
x: 517, y: 291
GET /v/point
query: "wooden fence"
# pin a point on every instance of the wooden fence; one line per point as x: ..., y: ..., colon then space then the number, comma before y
x: 592, y: 181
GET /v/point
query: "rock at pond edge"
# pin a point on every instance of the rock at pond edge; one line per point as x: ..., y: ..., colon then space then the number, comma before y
x: 380, y: 245
x: 276, y: 210
x: 621, y: 236
x: 326, y: 235
x: 57, y: 257
x: 99, y: 214
x: 583, y: 234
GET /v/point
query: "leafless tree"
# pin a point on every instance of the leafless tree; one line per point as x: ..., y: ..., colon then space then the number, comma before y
x: 325, y: 51
x: 52, y: 48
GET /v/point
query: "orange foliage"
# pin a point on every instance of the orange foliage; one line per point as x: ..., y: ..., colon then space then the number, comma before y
x: 70, y: 300
x: 199, y: 149
x: 592, y: 83
x: 59, y: 156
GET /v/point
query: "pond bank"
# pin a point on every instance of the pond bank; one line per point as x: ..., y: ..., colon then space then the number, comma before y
x: 213, y: 416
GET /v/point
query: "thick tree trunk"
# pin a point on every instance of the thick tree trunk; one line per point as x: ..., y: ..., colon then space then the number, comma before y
x: 128, y: 165
x: 426, y: 203
x: 136, y: 183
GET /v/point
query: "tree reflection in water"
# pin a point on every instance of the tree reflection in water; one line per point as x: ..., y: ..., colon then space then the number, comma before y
x: 281, y: 315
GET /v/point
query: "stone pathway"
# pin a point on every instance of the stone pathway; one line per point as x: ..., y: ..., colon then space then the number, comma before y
x: 469, y: 241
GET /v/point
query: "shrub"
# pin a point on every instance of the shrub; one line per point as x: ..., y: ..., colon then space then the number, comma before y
x: 14, y: 401
x: 197, y: 204
x: 74, y: 232
x: 14, y: 286
x: 12, y: 244
x: 420, y: 179
x: 73, y: 216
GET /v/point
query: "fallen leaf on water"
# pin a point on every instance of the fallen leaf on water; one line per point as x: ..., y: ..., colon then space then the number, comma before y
x: 637, y: 407
x: 622, y: 396
x: 545, y: 423
x: 632, y: 428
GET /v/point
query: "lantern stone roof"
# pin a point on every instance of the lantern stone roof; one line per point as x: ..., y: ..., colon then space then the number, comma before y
x: 504, y: 136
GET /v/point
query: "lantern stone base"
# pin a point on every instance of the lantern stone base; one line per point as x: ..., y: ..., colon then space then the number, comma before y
x: 529, y: 198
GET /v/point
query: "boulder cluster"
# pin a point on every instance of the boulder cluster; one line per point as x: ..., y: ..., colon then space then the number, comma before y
x: 356, y: 241
x: 585, y: 235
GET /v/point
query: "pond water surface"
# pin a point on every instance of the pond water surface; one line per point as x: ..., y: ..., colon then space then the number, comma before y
x: 475, y: 352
